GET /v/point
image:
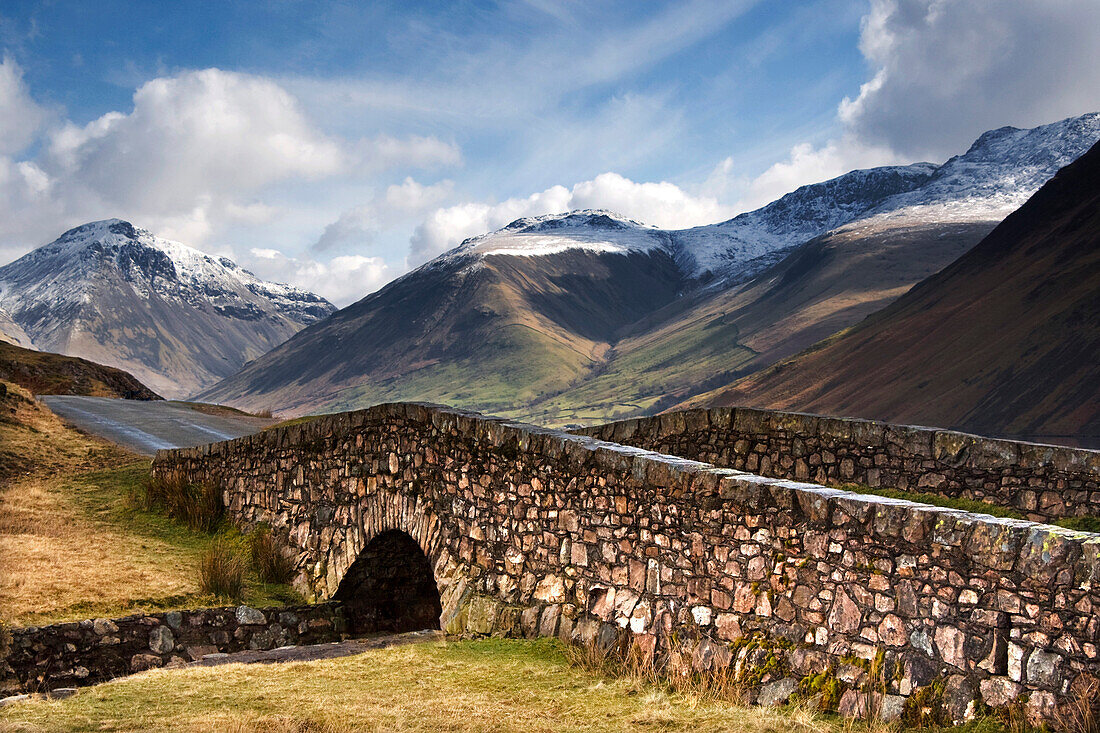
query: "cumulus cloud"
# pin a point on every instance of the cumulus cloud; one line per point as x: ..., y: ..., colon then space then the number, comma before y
x: 20, y: 116
x: 661, y: 204
x: 360, y: 224
x: 342, y: 280
x: 944, y: 71
x: 194, y: 155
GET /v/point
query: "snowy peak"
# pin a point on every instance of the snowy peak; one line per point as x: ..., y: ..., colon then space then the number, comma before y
x: 760, y: 236
x: 150, y: 264
x: 1004, y: 167
x: 593, y: 230
x: 175, y: 317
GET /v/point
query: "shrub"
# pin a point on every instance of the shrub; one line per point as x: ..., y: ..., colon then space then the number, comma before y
x: 222, y: 570
x: 269, y: 556
x: 198, y: 506
x: 266, y: 412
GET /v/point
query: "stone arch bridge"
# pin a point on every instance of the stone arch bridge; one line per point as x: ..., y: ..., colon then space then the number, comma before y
x: 415, y: 515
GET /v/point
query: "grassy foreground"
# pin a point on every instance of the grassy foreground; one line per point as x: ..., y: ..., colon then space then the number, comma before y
x: 74, y: 544
x: 480, y: 685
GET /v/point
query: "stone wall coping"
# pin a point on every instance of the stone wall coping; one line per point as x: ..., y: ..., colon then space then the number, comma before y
x: 1035, y: 550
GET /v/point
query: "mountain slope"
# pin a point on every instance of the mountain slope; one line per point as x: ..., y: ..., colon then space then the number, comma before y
x: 698, y: 343
x: 586, y: 316
x: 41, y: 372
x: 12, y: 332
x: 1003, y: 341
x: 176, y: 318
x: 496, y: 321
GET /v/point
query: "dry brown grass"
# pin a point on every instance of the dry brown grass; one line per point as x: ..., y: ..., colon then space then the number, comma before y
x: 494, y: 685
x: 72, y: 546
x: 222, y: 570
x: 270, y: 558
x: 198, y: 506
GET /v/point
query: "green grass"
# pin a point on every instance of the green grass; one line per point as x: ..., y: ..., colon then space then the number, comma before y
x: 516, y: 365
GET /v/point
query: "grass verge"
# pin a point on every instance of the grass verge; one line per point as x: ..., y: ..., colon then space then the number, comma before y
x: 503, y: 685
x: 75, y: 544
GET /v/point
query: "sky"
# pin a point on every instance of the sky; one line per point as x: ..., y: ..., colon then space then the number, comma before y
x: 336, y: 145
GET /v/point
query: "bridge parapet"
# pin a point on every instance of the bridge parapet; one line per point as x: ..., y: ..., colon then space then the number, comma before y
x: 1044, y: 482
x: 530, y: 531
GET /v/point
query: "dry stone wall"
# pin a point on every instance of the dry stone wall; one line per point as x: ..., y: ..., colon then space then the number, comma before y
x: 532, y: 532
x: 1044, y: 482
x: 80, y: 653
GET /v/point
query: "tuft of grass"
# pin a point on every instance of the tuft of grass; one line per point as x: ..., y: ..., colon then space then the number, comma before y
x: 222, y: 570
x: 1080, y: 524
x: 5, y: 641
x: 199, y: 506
x: 270, y: 559
x: 1082, y: 713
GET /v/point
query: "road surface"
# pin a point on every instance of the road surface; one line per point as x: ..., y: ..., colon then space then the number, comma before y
x: 147, y: 426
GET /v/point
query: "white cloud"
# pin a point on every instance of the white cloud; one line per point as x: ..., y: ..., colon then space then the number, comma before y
x: 360, y: 224
x: 21, y: 117
x: 807, y: 164
x: 200, y: 134
x: 342, y: 280
x: 661, y: 204
x: 944, y: 71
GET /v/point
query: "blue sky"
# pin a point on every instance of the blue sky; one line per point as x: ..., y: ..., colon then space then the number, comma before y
x: 335, y: 145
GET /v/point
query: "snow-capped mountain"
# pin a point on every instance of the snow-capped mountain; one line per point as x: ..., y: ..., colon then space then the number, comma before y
x: 1000, y: 171
x: 588, y: 315
x: 595, y: 230
x: 177, y: 318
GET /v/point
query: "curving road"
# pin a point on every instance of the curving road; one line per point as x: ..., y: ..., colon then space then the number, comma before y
x: 146, y: 427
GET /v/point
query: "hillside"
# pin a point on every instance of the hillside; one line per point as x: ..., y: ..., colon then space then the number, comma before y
x: 12, y: 332
x: 587, y: 316
x: 175, y: 318
x: 698, y: 343
x: 42, y: 373
x: 491, y: 324
x: 1004, y: 341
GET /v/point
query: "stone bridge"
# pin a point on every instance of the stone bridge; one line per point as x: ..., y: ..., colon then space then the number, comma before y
x: 414, y: 515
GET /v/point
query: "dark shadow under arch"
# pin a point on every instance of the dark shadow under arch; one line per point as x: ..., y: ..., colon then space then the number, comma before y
x: 390, y: 587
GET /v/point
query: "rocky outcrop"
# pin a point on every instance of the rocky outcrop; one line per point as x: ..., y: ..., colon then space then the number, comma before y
x: 878, y: 604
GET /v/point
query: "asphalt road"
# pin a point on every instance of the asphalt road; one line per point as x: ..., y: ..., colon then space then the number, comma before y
x: 146, y: 427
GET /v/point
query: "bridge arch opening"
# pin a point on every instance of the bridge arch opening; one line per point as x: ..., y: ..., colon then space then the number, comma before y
x: 390, y: 587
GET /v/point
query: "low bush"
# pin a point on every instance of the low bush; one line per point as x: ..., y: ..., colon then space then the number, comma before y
x: 222, y: 570
x: 199, y: 506
x: 270, y: 558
